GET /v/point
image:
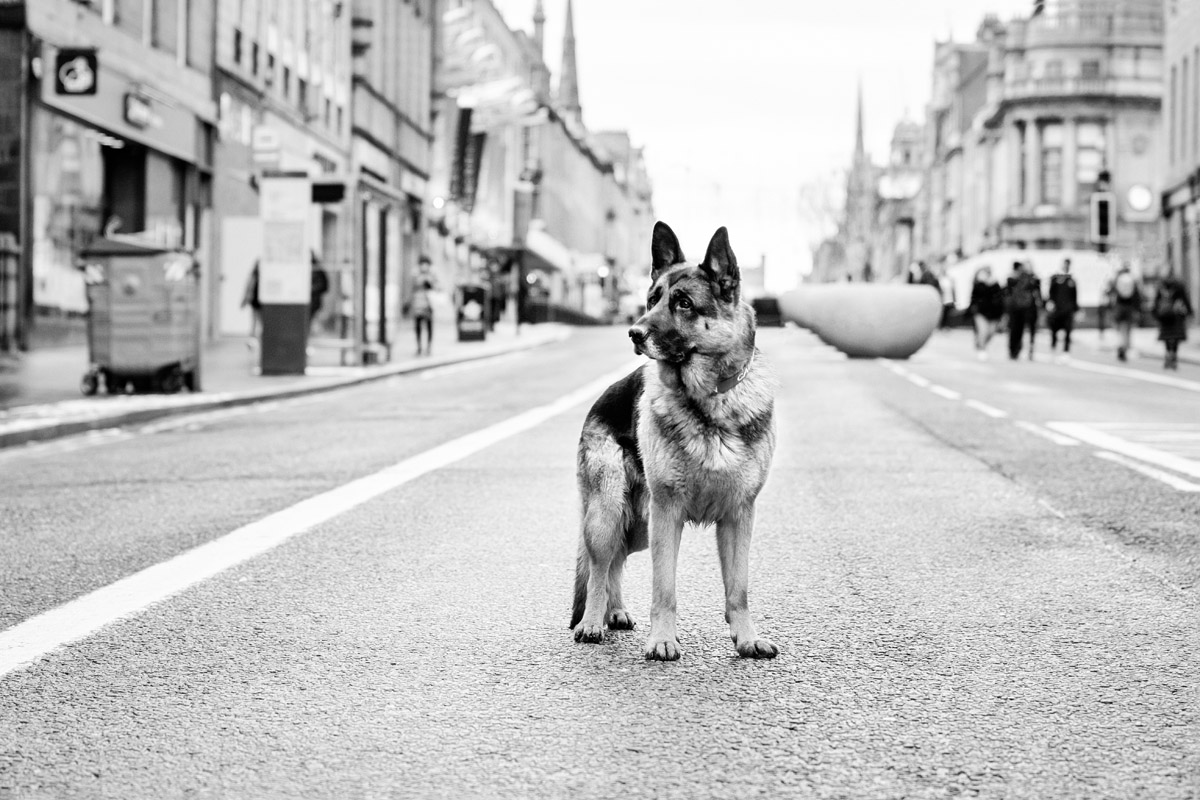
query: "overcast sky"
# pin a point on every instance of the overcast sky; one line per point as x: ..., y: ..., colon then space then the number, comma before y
x: 740, y: 104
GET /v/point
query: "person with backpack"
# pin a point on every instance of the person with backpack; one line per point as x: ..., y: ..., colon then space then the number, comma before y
x: 421, y: 307
x: 1127, y: 307
x: 1023, y: 302
x: 1172, y: 307
x: 1061, y: 307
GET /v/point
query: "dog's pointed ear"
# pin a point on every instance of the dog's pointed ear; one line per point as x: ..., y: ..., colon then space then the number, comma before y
x: 720, y: 265
x: 664, y: 250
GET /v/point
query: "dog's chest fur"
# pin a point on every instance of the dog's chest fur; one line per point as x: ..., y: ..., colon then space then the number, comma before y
x: 708, y: 453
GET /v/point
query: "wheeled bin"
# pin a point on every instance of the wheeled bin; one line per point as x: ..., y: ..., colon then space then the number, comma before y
x: 143, y: 318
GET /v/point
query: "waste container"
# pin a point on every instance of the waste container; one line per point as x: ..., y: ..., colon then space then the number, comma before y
x: 472, y: 312
x: 143, y: 318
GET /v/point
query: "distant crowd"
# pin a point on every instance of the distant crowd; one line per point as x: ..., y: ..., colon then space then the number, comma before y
x: 1020, y: 306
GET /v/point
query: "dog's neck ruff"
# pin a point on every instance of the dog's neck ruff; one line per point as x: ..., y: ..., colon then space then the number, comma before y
x: 725, y: 384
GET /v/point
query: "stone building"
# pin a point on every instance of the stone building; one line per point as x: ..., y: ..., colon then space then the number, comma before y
x: 1181, y: 153
x: 107, y: 122
x: 1071, y: 91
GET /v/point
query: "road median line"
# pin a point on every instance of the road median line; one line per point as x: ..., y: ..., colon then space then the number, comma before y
x: 28, y: 641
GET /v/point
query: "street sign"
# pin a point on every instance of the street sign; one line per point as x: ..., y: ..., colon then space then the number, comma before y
x: 76, y: 71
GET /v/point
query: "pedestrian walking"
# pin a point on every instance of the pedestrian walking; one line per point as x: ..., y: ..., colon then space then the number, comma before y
x: 1127, y: 307
x: 946, y: 288
x: 250, y: 298
x: 318, y: 286
x: 421, y: 307
x: 1172, y: 307
x: 1061, y: 307
x: 987, y: 307
x: 1022, y: 302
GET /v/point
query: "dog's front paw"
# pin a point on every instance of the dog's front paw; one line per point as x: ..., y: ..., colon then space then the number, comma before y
x: 589, y: 634
x: 662, y: 649
x: 620, y: 620
x: 756, y: 647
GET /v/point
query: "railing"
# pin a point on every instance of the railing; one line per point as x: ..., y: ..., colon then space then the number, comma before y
x: 1071, y: 86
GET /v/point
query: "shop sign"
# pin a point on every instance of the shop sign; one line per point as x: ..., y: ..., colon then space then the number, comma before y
x: 75, y: 71
x: 139, y: 113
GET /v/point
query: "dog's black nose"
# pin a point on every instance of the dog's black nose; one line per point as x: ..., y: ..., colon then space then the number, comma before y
x: 638, y: 335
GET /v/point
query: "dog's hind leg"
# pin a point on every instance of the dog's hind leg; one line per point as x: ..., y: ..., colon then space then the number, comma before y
x: 733, y: 543
x: 601, y: 547
x: 617, y: 618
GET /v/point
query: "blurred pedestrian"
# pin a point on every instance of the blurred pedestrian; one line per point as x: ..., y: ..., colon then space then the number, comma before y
x: 1022, y: 301
x: 1061, y: 307
x: 946, y: 288
x: 318, y: 286
x: 1172, y: 307
x: 421, y: 307
x: 250, y: 298
x: 987, y: 307
x: 1127, y: 307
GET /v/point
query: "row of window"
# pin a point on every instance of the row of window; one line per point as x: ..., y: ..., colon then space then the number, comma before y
x: 1183, y: 110
x: 161, y: 24
x: 1090, y: 146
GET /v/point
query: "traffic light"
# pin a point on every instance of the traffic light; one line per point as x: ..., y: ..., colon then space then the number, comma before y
x: 1103, y: 216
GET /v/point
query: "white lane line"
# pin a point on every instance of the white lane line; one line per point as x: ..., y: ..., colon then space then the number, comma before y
x: 1051, y: 509
x: 28, y: 641
x: 917, y: 380
x: 1150, y: 472
x: 1135, y: 374
x: 942, y: 391
x: 984, y: 408
x: 1038, y: 430
x: 1115, y: 444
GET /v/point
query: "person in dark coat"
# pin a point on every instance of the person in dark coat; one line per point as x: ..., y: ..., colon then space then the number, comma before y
x: 987, y: 307
x: 1061, y: 307
x: 1172, y: 307
x: 1023, y: 302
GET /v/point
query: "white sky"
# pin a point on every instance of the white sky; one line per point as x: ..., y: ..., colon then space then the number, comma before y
x: 740, y: 104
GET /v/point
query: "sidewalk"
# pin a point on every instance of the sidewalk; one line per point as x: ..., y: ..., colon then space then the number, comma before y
x: 1145, y: 343
x: 40, y: 397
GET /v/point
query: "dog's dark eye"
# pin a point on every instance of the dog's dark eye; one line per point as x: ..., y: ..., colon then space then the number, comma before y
x: 683, y: 302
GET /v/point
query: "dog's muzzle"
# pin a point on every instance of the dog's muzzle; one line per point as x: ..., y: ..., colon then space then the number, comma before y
x: 638, y: 335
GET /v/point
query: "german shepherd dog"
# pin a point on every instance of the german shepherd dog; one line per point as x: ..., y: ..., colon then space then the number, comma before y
x: 687, y: 437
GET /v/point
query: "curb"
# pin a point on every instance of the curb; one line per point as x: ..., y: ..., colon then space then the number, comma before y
x: 137, y: 417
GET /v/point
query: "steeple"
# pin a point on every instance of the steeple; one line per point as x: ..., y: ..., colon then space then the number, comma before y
x: 568, y: 77
x: 539, y: 27
x: 860, y: 150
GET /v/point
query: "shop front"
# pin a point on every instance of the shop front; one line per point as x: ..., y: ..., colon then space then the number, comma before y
x: 105, y: 156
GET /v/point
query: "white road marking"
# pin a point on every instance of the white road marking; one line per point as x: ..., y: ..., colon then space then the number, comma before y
x: 984, y: 408
x: 917, y: 380
x: 942, y: 391
x: 1115, y: 444
x: 1150, y: 472
x: 1051, y: 509
x: 32, y: 639
x: 1135, y: 374
x: 1038, y: 430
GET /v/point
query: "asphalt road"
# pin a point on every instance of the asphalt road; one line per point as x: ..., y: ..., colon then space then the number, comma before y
x: 966, y: 604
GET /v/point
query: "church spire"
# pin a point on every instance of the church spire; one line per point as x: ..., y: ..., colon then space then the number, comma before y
x: 568, y: 78
x: 539, y: 27
x: 860, y: 149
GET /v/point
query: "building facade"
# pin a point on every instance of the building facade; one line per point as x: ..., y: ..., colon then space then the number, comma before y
x: 1072, y: 95
x: 1181, y: 154
x: 107, y: 122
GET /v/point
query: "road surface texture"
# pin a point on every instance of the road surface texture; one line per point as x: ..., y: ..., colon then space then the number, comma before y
x: 982, y: 577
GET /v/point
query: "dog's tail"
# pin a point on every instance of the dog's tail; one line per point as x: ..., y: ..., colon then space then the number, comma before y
x: 581, y: 581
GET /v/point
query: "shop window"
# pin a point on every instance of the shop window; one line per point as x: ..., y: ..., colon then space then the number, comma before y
x: 1052, y: 166
x: 1089, y: 158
